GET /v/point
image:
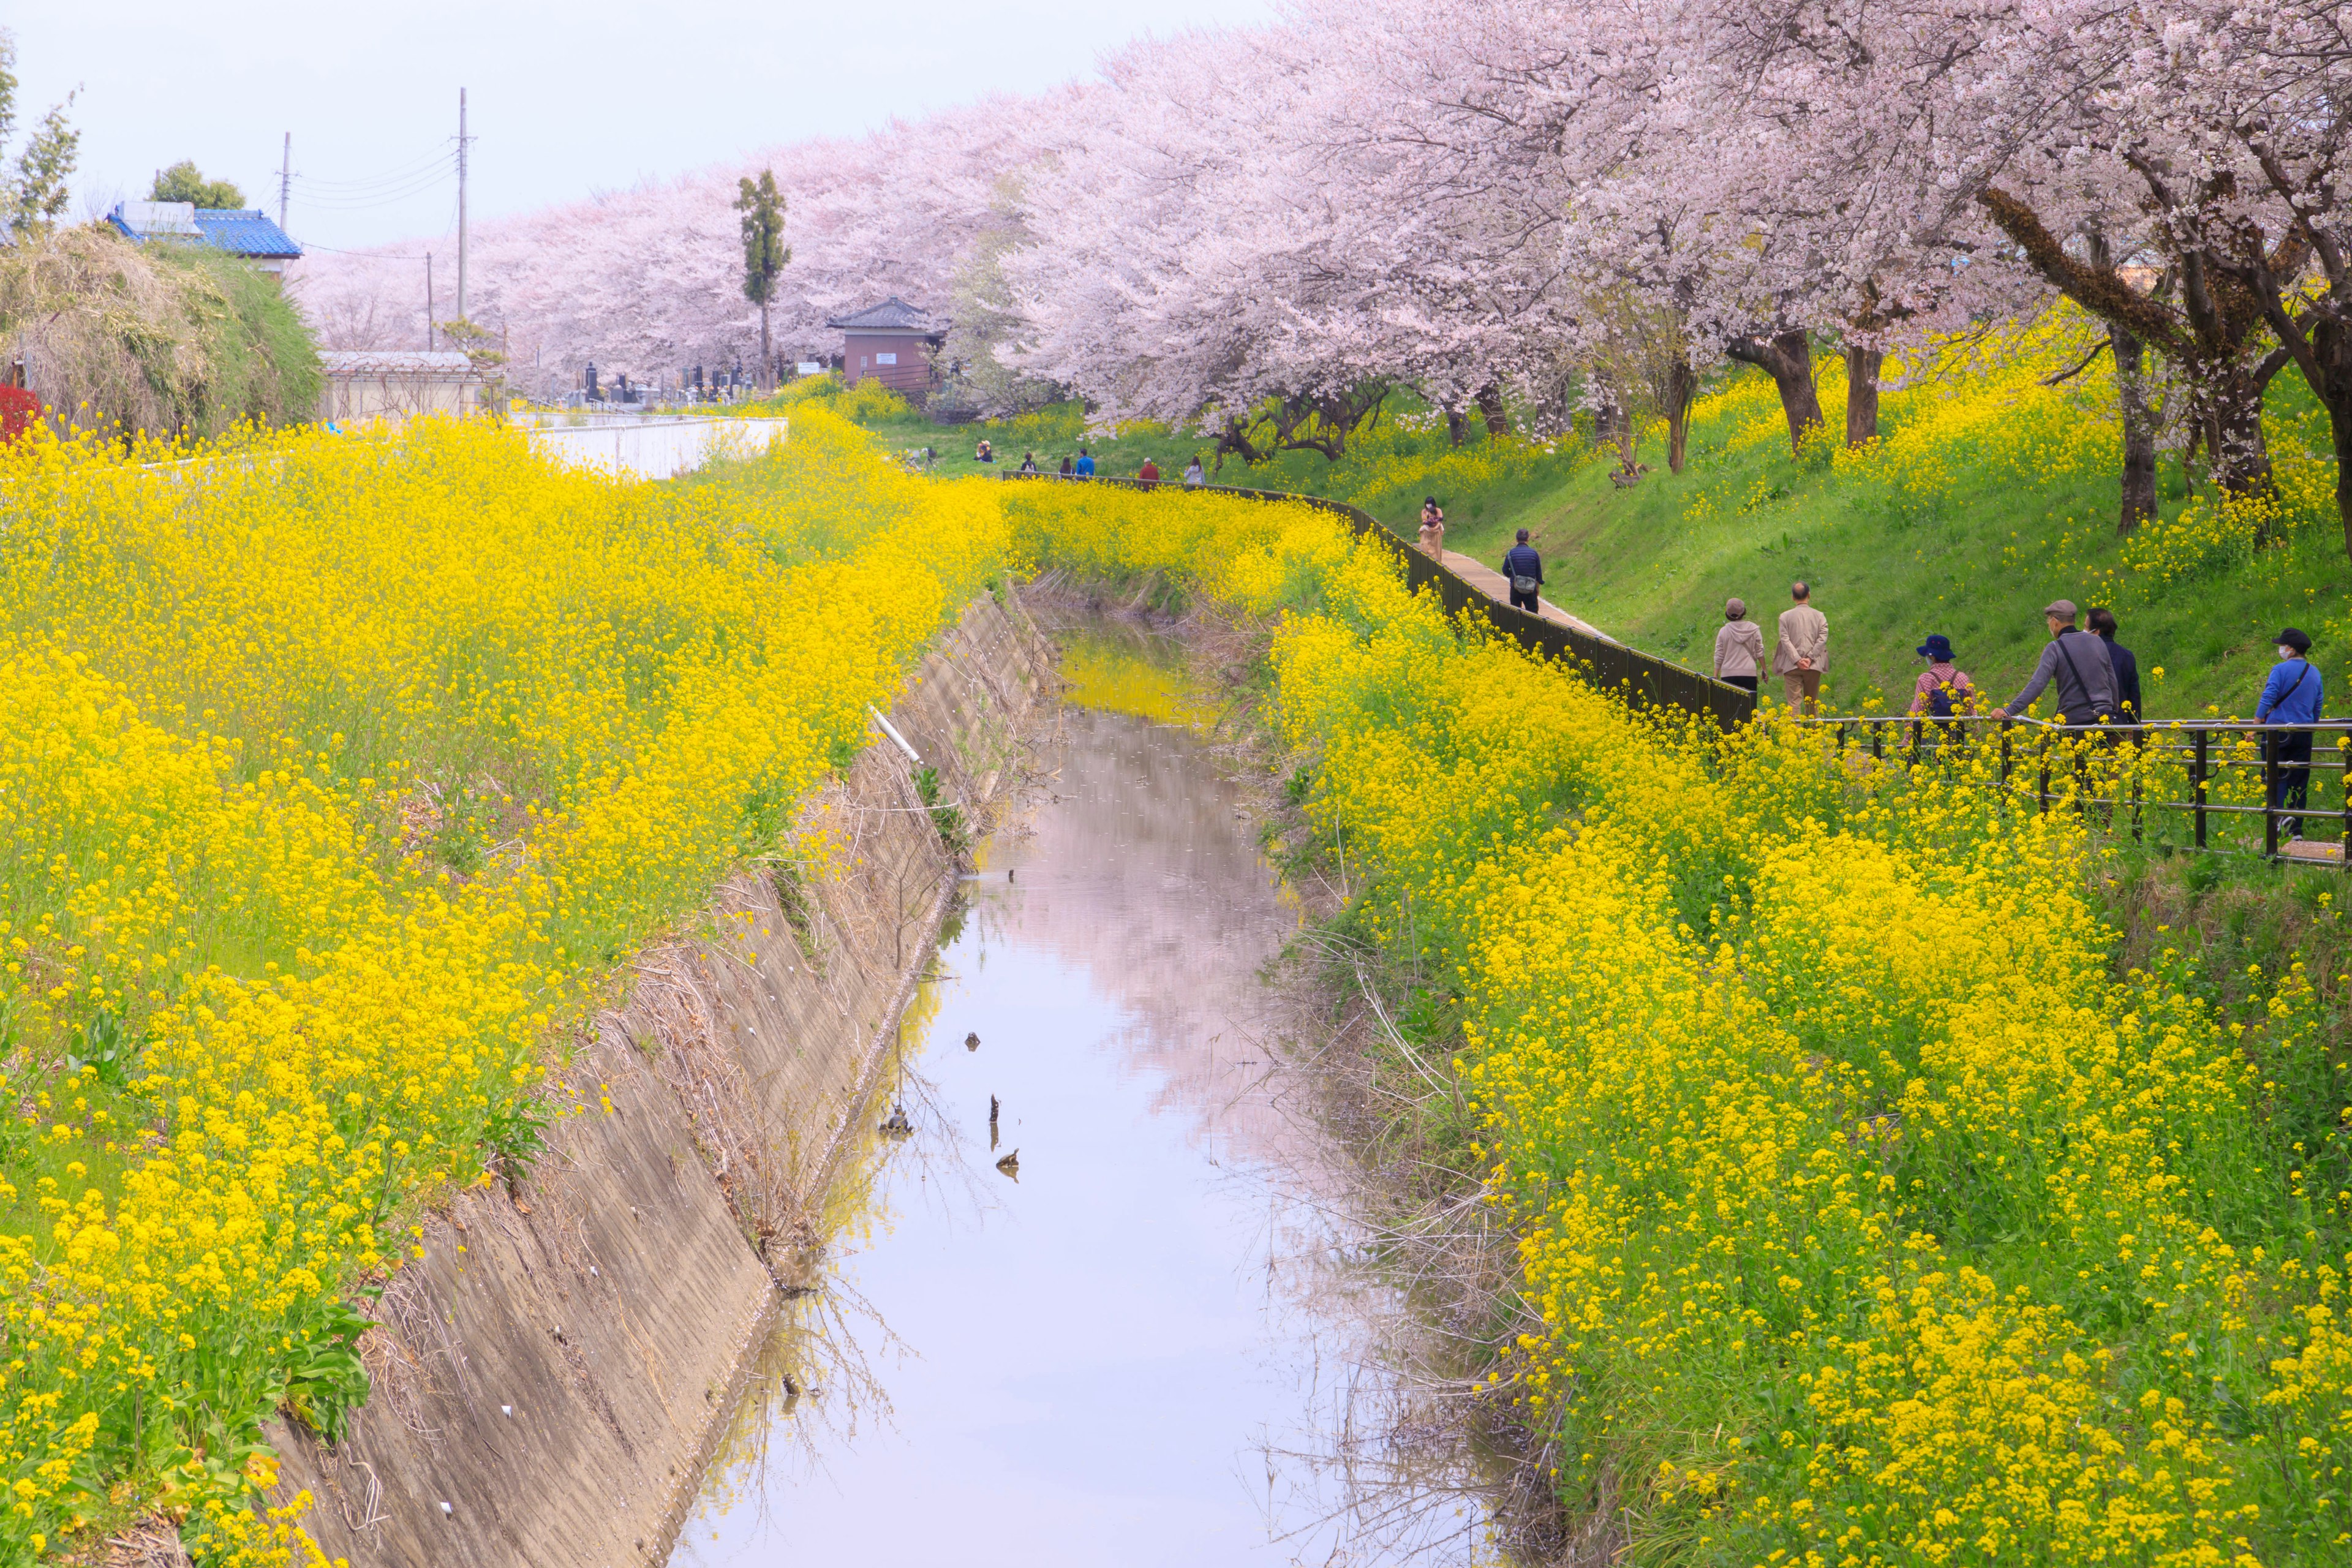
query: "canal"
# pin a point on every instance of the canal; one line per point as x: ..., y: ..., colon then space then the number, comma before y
x: 1152, y: 1338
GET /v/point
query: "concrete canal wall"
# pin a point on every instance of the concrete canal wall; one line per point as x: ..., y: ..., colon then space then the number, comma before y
x: 550, y: 1374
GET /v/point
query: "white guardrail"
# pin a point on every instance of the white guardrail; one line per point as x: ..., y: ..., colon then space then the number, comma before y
x: 657, y: 448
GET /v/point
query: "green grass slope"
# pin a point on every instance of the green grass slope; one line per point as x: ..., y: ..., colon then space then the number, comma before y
x: 1988, y: 495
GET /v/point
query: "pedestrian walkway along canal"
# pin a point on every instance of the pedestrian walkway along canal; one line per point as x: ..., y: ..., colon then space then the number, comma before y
x: 1153, y: 1344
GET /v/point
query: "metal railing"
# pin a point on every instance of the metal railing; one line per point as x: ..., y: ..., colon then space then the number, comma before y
x: 2217, y: 774
x: 1644, y: 679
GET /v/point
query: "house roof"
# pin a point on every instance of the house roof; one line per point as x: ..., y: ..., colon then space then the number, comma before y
x: 240, y: 231
x: 437, y: 363
x: 893, y: 315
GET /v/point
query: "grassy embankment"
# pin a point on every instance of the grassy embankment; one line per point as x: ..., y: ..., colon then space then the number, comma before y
x: 336, y: 790
x: 1987, y: 495
x: 1870, y: 1212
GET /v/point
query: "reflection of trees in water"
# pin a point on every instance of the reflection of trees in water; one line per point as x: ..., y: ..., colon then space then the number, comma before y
x: 1144, y: 872
x: 818, y: 1377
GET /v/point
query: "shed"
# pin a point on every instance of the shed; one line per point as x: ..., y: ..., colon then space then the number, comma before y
x: 240, y: 231
x: 892, y: 342
x: 395, y: 383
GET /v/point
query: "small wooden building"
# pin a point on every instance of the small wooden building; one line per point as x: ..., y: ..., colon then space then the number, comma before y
x: 892, y: 342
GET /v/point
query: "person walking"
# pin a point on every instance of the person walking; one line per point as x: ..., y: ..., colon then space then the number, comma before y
x: 2292, y: 695
x: 1085, y: 464
x: 2078, y: 662
x: 1194, y: 477
x: 1802, y: 653
x: 2102, y: 623
x: 1942, y: 689
x: 1739, y: 647
x: 1524, y: 569
x: 1433, y: 530
x: 1149, y: 474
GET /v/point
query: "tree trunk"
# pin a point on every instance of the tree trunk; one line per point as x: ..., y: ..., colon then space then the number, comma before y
x: 1861, y: 394
x: 1682, y: 386
x: 2242, y: 461
x: 767, y: 354
x: 1490, y: 404
x: 1456, y: 427
x: 2140, y: 431
x: 1788, y: 359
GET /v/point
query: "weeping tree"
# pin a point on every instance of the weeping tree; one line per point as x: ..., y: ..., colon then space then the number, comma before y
x: 162, y: 339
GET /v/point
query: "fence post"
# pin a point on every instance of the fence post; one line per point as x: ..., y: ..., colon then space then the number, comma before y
x: 2005, y: 749
x: 2042, y: 787
x: 2196, y: 763
x: 1877, y: 740
x: 2269, y: 795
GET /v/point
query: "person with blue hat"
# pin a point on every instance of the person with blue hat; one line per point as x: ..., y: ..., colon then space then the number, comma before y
x: 1942, y: 691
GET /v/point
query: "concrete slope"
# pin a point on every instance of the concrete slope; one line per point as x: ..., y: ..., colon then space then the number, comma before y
x: 551, y: 1373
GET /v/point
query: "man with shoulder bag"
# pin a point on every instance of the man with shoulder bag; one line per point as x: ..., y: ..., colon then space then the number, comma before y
x: 2293, y: 695
x: 2078, y: 663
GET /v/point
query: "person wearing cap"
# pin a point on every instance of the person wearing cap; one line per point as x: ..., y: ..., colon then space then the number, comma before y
x: 1739, y: 647
x: 1943, y: 690
x: 2292, y: 695
x: 2078, y: 662
x: 1803, y: 650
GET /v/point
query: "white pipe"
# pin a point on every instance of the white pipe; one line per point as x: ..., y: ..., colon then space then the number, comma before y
x: 894, y: 735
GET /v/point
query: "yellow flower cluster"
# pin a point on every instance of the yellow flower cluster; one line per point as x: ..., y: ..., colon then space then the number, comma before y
x: 1867, y: 1217
x: 335, y: 776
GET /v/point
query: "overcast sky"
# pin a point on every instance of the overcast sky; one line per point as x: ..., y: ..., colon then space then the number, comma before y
x: 565, y: 100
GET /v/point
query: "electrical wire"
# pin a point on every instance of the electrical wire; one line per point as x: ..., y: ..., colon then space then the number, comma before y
x: 444, y: 154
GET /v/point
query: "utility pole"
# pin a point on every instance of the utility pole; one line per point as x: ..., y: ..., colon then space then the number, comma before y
x: 286, y: 179
x: 462, y: 139
x: 429, y: 301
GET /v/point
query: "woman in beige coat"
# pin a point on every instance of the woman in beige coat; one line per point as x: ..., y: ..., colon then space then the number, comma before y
x: 1739, y: 647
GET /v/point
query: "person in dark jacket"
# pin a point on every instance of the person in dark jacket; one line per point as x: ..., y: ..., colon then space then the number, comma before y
x: 2293, y: 695
x: 2125, y: 663
x: 2077, y: 661
x: 1522, y: 565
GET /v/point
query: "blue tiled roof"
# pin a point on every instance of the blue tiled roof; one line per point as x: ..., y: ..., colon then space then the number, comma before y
x: 242, y: 231
x: 246, y: 232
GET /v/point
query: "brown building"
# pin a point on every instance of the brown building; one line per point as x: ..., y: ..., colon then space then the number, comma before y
x: 892, y: 342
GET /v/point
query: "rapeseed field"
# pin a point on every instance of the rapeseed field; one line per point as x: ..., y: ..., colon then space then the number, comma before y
x: 1868, y: 1217
x: 336, y: 777
x: 1867, y: 1214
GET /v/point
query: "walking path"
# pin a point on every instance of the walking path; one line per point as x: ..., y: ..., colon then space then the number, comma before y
x: 1489, y: 581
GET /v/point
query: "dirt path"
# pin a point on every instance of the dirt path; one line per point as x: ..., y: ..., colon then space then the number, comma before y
x: 1489, y: 581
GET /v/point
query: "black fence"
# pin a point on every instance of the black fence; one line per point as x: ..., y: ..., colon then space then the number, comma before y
x: 1643, y: 680
x: 2219, y: 779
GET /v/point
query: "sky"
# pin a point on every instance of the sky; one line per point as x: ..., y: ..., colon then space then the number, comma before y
x: 563, y: 101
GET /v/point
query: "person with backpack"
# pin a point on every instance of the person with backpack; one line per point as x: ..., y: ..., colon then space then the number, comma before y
x: 1943, y: 690
x: 2293, y: 695
x: 2078, y: 662
x: 1739, y: 647
x: 1523, y: 570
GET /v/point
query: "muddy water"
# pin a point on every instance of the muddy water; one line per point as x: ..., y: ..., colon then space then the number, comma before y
x: 1153, y: 1343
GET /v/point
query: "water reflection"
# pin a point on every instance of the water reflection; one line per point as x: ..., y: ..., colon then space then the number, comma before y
x: 1103, y: 1304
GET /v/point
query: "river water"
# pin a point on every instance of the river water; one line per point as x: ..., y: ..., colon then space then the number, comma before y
x: 1156, y: 1342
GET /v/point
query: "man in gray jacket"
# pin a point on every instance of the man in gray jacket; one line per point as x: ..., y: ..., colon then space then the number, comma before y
x: 2078, y: 662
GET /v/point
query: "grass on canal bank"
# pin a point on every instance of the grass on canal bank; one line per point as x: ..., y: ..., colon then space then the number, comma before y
x: 1880, y: 1198
x: 1988, y: 495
